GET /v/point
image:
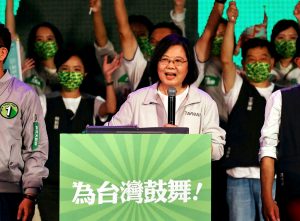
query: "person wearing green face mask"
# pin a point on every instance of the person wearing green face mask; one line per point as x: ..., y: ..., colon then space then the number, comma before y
x: 283, y: 38
x: 43, y: 43
x: 71, y: 111
x: 208, y: 49
x: 38, y: 69
x: 245, y: 96
x: 45, y: 49
x: 127, y: 80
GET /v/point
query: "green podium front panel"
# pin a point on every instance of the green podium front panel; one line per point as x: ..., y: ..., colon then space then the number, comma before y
x: 135, y: 177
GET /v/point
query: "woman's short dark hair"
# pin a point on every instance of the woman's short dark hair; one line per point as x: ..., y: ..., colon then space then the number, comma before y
x: 32, y: 38
x: 64, y: 54
x: 280, y: 26
x: 164, y: 45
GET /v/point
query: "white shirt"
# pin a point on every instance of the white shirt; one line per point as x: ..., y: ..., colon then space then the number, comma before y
x: 179, y: 98
x: 230, y: 100
x: 270, y: 131
x: 73, y: 104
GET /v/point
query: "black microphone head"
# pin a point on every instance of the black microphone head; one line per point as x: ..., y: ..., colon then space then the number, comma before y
x: 171, y: 91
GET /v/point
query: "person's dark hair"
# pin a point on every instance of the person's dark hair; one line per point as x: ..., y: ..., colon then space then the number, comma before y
x: 170, y: 25
x: 280, y: 26
x: 64, y: 54
x: 223, y: 21
x: 256, y: 43
x: 164, y: 45
x: 141, y: 19
x: 32, y: 36
x: 5, y: 38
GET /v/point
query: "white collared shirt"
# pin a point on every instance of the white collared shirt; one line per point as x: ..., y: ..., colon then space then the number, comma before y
x: 270, y: 131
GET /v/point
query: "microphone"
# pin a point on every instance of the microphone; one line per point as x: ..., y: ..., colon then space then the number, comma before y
x: 171, y: 105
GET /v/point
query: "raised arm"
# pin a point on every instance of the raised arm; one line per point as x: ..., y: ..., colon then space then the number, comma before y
x: 110, y: 105
x: 127, y: 38
x: 98, y: 23
x: 297, y: 12
x: 229, y: 69
x: 203, y: 44
x: 10, y: 18
x: 178, y: 14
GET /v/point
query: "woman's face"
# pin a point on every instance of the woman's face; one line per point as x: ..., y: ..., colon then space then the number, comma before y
x: 71, y: 74
x: 287, y: 34
x: 172, y: 68
x: 44, y: 34
x: 74, y: 64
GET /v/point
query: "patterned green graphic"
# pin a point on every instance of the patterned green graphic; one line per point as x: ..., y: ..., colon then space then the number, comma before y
x: 35, y: 81
x: 286, y: 48
x: 216, y: 46
x: 258, y: 71
x: 45, y: 50
x: 146, y: 48
x: 94, y: 159
x: 70, y: 80
x: 9, y: 110
x: 211, y: 81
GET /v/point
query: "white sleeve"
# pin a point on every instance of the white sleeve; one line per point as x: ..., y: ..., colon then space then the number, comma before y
x: 200, y: 67
x: 135, y: 68
x: 43, y: 104
x: 107, y: 49
x: 270, y: 130
x: 124, y: 116
x: 97, y: 103
x: 211, y: 126
x: 179, y: 20
x: 232, y: 95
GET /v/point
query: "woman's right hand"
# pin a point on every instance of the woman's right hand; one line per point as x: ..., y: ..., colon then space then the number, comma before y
x: 95, y: 5
x: 109, y: 68
x: 29, y: 64
x: 232, y: 12
x: 271, y: 210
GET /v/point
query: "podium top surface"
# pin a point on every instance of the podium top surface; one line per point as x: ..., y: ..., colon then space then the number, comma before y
x: 135, y: 130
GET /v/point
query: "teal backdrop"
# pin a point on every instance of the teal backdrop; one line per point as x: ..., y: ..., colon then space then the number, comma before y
x: 2, y: 6
x: 135, y: 177
x: 251, y: 12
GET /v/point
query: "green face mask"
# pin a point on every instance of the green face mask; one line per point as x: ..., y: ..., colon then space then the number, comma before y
x: 70, y: 80
x: 216, y: 46
x: 146, y: 48
x: 45, y: 50
x: 258, y: 71
x: 286, y: 48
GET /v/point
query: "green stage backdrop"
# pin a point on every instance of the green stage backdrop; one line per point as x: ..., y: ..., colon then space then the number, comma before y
x: 135, y: 177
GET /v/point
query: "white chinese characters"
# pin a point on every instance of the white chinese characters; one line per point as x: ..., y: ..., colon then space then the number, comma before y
x: 136, y: 191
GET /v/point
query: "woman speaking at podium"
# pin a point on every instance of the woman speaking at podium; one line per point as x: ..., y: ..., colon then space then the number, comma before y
x: 173, y: 65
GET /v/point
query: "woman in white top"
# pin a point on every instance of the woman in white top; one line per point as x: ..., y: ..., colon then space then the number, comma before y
x: 173, y: 63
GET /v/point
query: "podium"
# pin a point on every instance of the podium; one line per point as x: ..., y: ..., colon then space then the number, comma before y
x: 135, y: 176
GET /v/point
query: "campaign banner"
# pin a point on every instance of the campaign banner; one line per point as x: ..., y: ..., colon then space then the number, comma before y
x: 13, y: 60
x: 142, y: 177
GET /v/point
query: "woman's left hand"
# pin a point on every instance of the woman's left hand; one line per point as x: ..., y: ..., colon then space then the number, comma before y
x: 109, y: 68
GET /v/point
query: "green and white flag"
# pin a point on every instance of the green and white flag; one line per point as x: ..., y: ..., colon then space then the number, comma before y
x: 13, y: 62
x: 142, y: 177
